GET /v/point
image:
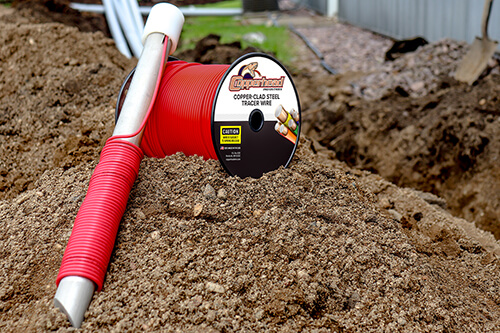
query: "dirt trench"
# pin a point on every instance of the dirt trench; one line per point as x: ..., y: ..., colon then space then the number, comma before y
x: 446, y: 142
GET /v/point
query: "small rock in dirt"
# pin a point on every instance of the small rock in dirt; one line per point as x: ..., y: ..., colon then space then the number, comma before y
x: 209, y: 192
x: 21, y: 199
x: 419, y: 85
x: 222, y: 194
x: 303, y: 275
x: 432, y: 199
x: 355, y: 298
x: 385, y: 203
x: 211, y: 315
x: 259, y: 314
x: 396, y: 215
x: 196, y: 301
x: 141, y: 215
x: 197, y: 209
x: 257, y: 213
x: 215, y: 287
x: 155, y: 234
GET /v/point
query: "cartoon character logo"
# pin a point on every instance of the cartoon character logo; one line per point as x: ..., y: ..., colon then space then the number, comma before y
x: 249, y: 71
x: 249, y: 77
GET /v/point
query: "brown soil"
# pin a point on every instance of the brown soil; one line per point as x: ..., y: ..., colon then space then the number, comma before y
x: 446, y: 142
x: 315, y: 247
x: 58, y: 96
x: 46, y: 11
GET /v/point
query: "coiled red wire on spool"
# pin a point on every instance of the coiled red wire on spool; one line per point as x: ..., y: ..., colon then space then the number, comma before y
x: 181, y: 116
x: 222, y: 112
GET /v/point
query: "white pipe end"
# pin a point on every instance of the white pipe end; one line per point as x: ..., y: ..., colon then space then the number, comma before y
x: 73, y: 297
x: 167, y: 19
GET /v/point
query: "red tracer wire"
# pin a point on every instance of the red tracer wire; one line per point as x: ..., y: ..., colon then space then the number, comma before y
x: 182, y: 114
x: 179, y: 119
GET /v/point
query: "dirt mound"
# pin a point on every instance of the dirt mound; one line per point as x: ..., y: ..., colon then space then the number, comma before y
x: 49, y: 11
x: 57, y: 90
x: 299, y: 249
x: 209, y: 50
x: 445, y: 142
x: 315, y: 247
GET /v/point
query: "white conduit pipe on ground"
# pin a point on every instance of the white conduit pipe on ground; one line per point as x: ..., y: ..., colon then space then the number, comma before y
x: 144, y: 10
x: 124, y: 18
x: 114, y: 28
x: 137, y: 16
x: 127, y: 22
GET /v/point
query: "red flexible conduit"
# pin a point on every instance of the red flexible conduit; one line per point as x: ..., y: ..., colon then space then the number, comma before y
x: 96, y: 224
x: 179, y: 120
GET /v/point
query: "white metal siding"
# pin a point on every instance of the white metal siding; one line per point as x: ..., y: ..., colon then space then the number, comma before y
x: 431, y: 19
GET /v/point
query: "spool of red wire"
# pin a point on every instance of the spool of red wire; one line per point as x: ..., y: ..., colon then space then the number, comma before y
x: 225, y: 112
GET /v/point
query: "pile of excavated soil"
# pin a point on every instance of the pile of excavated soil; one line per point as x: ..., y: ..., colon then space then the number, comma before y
x: 445, y: 142
x: 314, y: 247
x: 58, y: 91
x: 408, y: 119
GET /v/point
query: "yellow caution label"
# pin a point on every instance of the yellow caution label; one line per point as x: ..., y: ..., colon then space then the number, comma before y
x: 230, y: 135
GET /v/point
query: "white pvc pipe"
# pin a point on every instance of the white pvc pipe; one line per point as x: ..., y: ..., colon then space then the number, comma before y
x: 141, y: 90
x: 194, y: 11
x: 74, y: 293
x: 128, y: 26
x: 73, y: 296
x: 144, y: 10
x: 114, y: 28
x: 164, y: 20
x: 138, y: 19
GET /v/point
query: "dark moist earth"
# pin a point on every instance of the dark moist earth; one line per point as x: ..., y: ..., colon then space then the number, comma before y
x: 318, y: 246
x: 447, y: 142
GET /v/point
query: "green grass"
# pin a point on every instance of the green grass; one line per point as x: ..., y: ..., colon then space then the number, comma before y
x: 233, y: 29
x: 223, y: 4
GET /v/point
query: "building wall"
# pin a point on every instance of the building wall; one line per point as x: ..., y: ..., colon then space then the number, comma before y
x: 324, y: 7
x: 431, y: 19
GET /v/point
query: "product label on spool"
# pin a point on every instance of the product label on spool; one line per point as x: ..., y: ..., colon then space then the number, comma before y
x: 256, y: 117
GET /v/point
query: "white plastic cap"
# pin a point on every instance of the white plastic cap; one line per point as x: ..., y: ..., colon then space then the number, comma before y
x: 166, y: 19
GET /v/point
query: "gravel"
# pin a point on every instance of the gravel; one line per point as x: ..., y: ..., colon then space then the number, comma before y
x: 347, y: 48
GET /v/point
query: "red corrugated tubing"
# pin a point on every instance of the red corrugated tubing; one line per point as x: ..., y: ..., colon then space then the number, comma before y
x: 93, y: 237
x: 181, y: 117
x: 94, y: 232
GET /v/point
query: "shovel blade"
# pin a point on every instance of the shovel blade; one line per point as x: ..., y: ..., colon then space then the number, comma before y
x: 476, y: 60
